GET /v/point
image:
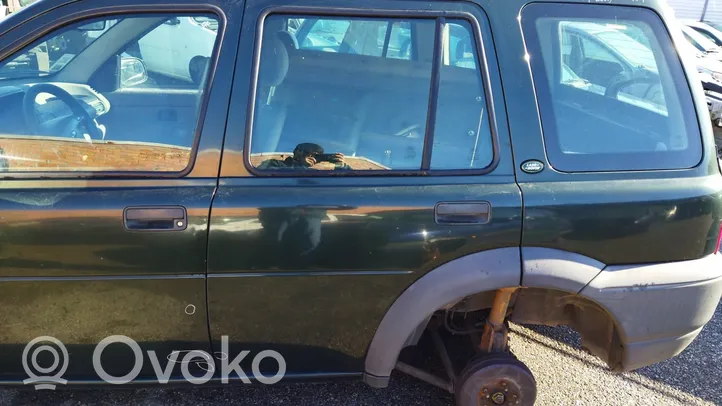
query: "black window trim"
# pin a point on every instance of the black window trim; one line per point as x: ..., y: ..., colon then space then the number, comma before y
x: 672, y: 57
x: 121, y: 10
x: 439, y: 16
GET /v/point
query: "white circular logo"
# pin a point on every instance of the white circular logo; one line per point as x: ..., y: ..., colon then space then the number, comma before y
x: 43, y: 376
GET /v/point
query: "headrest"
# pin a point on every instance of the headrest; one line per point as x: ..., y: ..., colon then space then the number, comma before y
x: 288, y: 39
x: 274, y: 62
x: 461, y: 47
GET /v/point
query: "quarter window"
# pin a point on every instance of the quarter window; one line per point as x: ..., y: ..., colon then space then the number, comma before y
x: 359, y: 100
x: 462, y: 137
x: 611, y: 91
x: 120, y: 94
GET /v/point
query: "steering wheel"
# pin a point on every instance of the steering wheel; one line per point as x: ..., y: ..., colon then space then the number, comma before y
x: 614, y: 88
x: 70, y: 125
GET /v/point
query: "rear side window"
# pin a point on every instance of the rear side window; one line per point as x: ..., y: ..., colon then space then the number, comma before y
x: 364, y: 98
x: 611, y: 91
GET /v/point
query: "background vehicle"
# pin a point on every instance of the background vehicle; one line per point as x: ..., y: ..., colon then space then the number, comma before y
x: 603, y: 55
x: 349, y: 187
x: 701, y: 43
x: 12, y: 6
x: 185, y: 61
x: 701, y: 47
x: 710, y: 32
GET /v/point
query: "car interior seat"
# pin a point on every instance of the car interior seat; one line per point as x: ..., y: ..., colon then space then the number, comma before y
x: 271, y: 112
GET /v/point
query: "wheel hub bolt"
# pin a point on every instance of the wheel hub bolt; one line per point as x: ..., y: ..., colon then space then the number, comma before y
x: 498, y: 398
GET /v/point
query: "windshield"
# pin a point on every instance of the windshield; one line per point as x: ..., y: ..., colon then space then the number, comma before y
x: 27, y: 2
x: 51, y: 54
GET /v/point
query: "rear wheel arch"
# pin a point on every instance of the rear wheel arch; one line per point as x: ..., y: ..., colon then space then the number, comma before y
x: 551, y: 281
x: 447, y: 284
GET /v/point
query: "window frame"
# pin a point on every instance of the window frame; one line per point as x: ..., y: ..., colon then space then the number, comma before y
x: 68, y: 19
x: 568, y: 163
x: 425, y: 169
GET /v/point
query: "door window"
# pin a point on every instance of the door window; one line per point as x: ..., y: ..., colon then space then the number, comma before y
x: 363, y: 104
x: 94, y: 97
x: 612, y: 95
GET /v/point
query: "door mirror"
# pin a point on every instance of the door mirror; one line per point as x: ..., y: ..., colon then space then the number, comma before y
x: 132, y: 72
x: 173, y: 21
x: 96, y: 26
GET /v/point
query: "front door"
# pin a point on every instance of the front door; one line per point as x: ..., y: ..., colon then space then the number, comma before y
x: 372, y: 157
x: 108, y: 177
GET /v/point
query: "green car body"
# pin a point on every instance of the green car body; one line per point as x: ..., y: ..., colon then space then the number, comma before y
x: 626, y: 257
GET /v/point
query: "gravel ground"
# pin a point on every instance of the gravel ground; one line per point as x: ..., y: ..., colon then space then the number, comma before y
x: 565, y: 375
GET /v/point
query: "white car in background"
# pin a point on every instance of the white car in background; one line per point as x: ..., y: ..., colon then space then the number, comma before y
x: 182, y: 61
x: 701, y: 43
x: 707, y: 56
x: 706, y: 29
x: 187, y: 60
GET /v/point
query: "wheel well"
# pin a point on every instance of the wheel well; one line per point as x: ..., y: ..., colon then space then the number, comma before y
x: 549, y: 307
x: 597, y: 328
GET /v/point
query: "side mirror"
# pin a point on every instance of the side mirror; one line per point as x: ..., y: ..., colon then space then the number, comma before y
x: 96, y: 26
x: 173, y: 21
x: 132, y: 72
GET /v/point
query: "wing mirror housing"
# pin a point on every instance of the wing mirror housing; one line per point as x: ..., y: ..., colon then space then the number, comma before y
x: 133, y: 72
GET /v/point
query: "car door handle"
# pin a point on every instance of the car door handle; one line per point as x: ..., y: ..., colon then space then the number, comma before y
x: 155, y: 218
x: 462, y: 213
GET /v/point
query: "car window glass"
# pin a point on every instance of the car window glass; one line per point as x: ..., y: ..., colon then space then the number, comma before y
x: 700, y: 41
x: 175, y: 53
x: 55, y: 52
x: 398, y: 43
x: 108, y: 108
x: 460, y: 45
x: 373, y: 113
x: 353, y: 36
x: 611, y: 94
x: 707, y: 35
x: 462, y: 136
x: 325, y: 35
x: 365, y: 106
x: 604, y: 53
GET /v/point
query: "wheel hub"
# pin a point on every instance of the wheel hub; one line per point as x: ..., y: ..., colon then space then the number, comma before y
x: 502, y: 392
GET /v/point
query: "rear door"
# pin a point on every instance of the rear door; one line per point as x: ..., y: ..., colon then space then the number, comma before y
x: 305, y: 260
x: 104, y: 233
